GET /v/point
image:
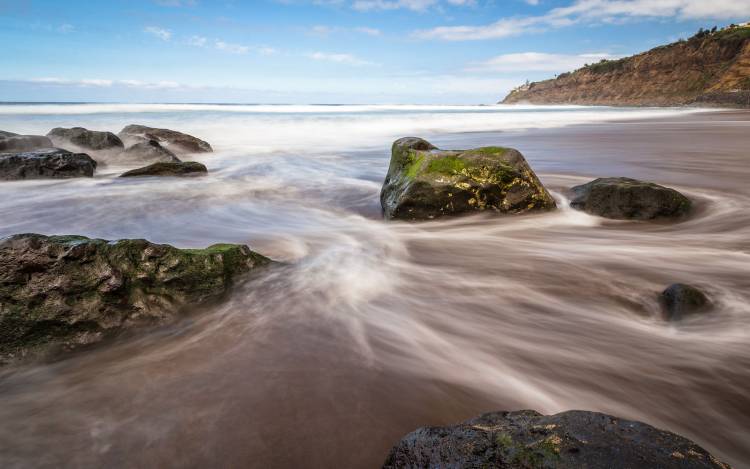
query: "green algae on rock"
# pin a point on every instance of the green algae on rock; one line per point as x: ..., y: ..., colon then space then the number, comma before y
x: 527, y: 439
x: 424, y: 182
x: 59, y: 293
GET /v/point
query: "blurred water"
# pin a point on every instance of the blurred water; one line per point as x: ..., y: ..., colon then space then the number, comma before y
x: 373, y: 329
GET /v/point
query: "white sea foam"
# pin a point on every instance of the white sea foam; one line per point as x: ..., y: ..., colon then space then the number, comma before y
x: 271, y: 128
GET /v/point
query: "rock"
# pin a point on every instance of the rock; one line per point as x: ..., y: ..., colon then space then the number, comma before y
x: 186, y: 168
x: 528, y: 439
x: 59, y: 293
x: 84, y: 139
x: 149, y: 151
x: 24, y: 142
x: 50, y: 163
x: 625, y: 199
x: 681, y: 300
x: 424, y: 182
x: 173, y: 140
x: 4, y: 134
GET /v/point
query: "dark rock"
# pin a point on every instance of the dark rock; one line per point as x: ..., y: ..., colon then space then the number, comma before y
x: 528, y: 439
x: 84, y: 139
x: 186, y: 168
x: 625, y: 198
x: 424, y: 182
x: 24, y: 143
x: 4, y: 134
x: 173, y: 140
x: 681, y: 300
x: 50, y: 163
x: 149, y: 151
x: 61, y: 292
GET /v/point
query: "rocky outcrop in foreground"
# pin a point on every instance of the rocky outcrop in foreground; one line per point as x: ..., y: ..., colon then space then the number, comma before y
x: 569, y: 440
x: 424, y: 182
x: 629, y: 199
x: 59, y: 293
x: 680, y: 300
x: 79, y: 138
x: 147, y: 152
x: 711, y: 68
x: 177, y: 142
x: 179, y: 169
x: 10, y: 143
x: 51, y: 163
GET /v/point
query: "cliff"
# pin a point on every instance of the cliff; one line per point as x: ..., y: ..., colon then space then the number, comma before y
x: 710, y: 68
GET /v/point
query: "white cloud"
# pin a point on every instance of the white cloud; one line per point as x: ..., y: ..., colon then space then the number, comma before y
x: 532, y: 2
x: 347, y: 59
x: 231, y: 48
x: 588, y: 11
x: 267, y: 51
x: 368, y: 31
x: 161, y: 33
x: 414, y: 5
x: 537, y: 62
x: 104, y: 83
x: 65, y: 28
x: 197, y: 41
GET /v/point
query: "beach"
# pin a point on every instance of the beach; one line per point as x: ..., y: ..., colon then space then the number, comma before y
x: 370, y: 329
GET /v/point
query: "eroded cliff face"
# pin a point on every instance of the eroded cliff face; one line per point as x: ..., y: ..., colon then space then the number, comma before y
x: 707, y: 69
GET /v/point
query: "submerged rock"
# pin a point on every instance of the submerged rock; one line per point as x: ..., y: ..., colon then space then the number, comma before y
x: 625, y: 199
x: 681, y: 300
x: 50, y: 163
x: 150, y: 152
x: 424, y: 182
x: 177, y: 142
x: 528, y: 439
x: 24, y: 142
x: 80, y: 138
x: 63, y: 292
x: 182, y: 168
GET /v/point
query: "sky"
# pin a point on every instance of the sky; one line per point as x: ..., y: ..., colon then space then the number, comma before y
x: 324, y: 51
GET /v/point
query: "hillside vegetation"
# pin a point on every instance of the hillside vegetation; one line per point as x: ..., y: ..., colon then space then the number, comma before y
x: 710, y: 68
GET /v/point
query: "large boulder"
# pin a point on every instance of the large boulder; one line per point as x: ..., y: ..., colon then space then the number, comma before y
x: 424, y: 182
x: 79, y: 138
x: 528, y: 439
x: 24, y: 143
x: 181, y: 169
x: 177, y: 142
x: 680, y: 300
x: 50, y: 163
x: 626, y: 199
x: 4, y: 134
x: 62, y: 292
x: 147, y: 152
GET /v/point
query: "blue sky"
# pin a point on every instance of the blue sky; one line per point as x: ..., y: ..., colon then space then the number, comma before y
x: 323, y: 51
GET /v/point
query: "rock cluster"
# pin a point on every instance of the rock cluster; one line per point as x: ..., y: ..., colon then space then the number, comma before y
x: 629, y: 199
x: 179, y: 169
x: 63, y: 292
x: 177, y: 142
x: 79, y: 138
x: 569, y: 440
x: 424, y: 182
x: 51, y: 163
x: 14, y: 142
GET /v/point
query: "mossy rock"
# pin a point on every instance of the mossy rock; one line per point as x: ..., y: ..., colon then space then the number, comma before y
x: 527, y: 439
x: 424, y: 182
x: 63, y: 292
